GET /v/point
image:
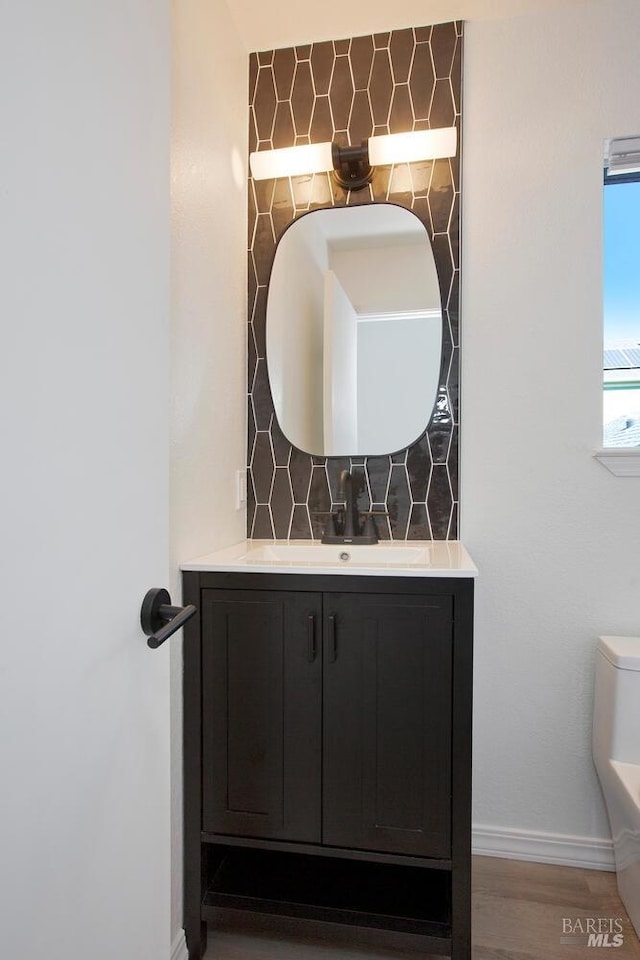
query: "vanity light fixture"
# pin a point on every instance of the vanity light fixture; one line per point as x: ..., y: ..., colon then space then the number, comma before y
x: 353, y: 166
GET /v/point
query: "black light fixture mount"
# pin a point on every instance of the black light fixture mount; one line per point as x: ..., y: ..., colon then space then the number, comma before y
x: 351, y: 167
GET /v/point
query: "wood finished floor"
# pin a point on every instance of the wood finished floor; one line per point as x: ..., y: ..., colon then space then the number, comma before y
x: 518, y: 910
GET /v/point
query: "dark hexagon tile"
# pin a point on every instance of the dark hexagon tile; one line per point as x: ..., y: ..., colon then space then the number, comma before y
x: 321, y: 122
x: 262, y: 467
x: 378, y: 469
x: 381, y: 522
x: 401, y: 49
x: 303, y: 52
x: 360, y: 488
x: 381, y: 87
x: 443, y: 45
x: 252, y: 213
x: 280, y: 444
x: 341, y: 93
x: 421, y: 178
x: 439, y: 502
x: 284, y: 63
x: 322, y: 58
x: 356, y: 198
x: 419, y: 526
x: 265, y: 103
x: 444, y: 264
x: 453, y: 385
x: 300, y: 526
x: 453, y: 309
x: 282, y: 210
x: 453, y: 525
x: 452, y: 462
x: 252, y: 358
x: 251, y: 429
x: 253, y: 132
x: 361, y: 123
x: 442, y: 113
x: 423, y: 34
x: 300, y: 471
x: 263, y: 244
x: 400, y: 185
x: 251, y: 506
x: 398, y: 502
x: 400, y: 117
x: 419, y: 468
x: 253, y: 76
x: 456, y: 77
x: 439, y: 440
x: 341, y: 47
x: 454, y: 230
x: 441, y: 196
x: 283, y: 132
x: 263, y: 191
x: 361, y: 60
x: 399, y: 457
x: 262, y: 402
x: 265, y: 57
x: 259, y: 322
x: 421, y: 81
x: 335, y: 466
x: 381, y: 40
x: 302, y: 98
x: 319, y: 191
x: 252, y: 284
x: 420, y: 207
x: 318, y: 461
x: 301, y: 189
x: 262, y: 526
x: 319, y: 500
x: 281, y: 503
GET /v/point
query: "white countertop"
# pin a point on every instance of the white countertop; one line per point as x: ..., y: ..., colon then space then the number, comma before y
x: 396, y: 558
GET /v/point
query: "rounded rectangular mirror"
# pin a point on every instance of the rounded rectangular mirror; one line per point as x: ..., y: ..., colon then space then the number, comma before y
x: 354, y: 330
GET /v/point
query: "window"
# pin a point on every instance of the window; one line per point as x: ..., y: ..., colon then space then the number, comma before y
x: 621, y: 361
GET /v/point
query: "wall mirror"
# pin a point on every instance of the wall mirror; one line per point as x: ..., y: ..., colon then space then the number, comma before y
x: 354, y: 330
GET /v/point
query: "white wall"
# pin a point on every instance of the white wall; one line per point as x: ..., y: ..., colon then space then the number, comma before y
x: 554, y: 534
x: 208, y: 435
x: 400, y: 360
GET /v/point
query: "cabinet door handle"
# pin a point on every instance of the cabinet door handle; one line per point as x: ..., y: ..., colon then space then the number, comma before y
x: 311, y: 636
x: 333, y: 639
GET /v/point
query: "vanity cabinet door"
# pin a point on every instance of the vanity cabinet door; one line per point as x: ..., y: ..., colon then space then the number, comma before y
x: 261, y: 695
x: 387, y: 723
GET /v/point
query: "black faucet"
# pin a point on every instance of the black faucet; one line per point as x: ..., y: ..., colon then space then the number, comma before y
x: 347, y: 524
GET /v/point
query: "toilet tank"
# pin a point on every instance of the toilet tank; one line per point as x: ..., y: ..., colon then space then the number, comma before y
x: 616, y: 708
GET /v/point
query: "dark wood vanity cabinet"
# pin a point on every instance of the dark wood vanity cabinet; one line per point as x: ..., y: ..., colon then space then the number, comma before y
x: 327, y: 752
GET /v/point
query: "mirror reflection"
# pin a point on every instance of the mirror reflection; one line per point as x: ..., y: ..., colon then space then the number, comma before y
x: 354, y: 330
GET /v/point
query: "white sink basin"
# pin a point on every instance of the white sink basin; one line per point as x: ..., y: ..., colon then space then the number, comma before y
x: 419, y: 558
x: 387, y: 553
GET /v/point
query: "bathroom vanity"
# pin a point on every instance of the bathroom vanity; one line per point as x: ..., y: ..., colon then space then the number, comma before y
x: 327, y: 737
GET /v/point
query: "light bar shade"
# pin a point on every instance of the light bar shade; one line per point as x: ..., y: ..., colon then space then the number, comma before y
x: 291, y: 161
x: 352, y: 165
x: 408, y: 147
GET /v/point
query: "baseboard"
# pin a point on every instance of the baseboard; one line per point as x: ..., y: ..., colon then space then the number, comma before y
x: 179, y: 948
x: 571, y: 851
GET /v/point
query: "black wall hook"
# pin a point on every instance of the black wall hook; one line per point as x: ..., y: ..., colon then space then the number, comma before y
x: 159, y: 619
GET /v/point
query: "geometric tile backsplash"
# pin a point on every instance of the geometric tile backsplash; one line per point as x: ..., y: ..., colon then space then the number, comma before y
x: 346, y: 91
